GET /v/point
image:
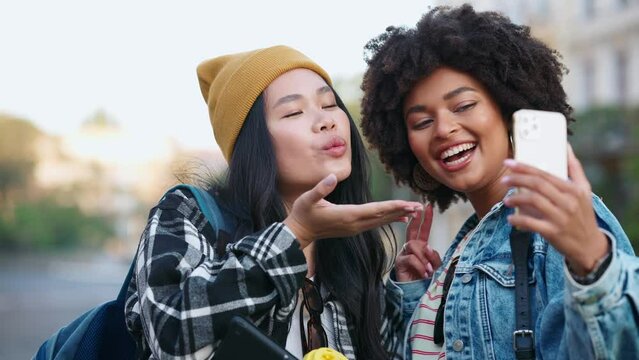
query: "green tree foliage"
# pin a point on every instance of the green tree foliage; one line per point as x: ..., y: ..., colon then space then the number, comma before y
x: 606, y: 139
x: 46, y: 224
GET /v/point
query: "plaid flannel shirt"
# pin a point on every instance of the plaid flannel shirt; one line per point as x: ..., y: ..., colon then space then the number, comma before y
x: 183, y: 293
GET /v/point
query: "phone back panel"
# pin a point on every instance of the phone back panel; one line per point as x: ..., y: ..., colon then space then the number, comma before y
x: 540, y: 140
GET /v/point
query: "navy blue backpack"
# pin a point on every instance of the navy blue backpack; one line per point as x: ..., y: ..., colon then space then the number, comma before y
x: 101, y: 332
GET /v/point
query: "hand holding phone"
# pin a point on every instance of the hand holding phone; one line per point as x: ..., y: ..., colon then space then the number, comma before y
x: 567, y: 220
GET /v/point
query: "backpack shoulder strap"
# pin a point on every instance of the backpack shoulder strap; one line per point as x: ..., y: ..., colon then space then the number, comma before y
x: 208, y: 206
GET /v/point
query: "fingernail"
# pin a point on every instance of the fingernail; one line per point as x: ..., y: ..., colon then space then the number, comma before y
x: 330, y: 180
x: 510, y: 162
x: 505, y: 179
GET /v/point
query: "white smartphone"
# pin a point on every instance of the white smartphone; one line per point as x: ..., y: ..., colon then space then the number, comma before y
x: 540, y: 140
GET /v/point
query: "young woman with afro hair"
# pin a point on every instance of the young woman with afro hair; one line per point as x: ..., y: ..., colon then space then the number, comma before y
x: 438, y: 105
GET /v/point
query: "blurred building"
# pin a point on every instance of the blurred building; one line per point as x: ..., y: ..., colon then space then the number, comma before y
x: 107, y: 170
x: 599, y: 41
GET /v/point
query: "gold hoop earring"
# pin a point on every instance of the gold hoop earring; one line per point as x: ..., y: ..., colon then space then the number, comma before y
x: 423, y: 180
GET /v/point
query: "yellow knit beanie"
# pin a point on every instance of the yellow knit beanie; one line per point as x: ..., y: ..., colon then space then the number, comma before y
x: 231, y: 83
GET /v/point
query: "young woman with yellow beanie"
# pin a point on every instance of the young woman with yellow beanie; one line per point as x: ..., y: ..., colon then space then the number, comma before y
x: 297, y: 190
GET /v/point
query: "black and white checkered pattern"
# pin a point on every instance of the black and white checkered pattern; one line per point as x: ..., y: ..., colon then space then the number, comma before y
x: 183, y: 293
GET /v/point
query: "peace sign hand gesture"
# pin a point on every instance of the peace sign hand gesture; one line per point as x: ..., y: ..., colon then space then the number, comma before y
x: 417, y: 259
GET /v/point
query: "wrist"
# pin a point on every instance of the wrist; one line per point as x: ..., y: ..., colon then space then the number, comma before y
x: 595, y: 256
x: 300, y: 234
x: 589, y: 275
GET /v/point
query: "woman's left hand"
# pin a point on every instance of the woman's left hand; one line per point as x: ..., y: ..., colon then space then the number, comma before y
x: 560, y: 210
x: 417, y: 259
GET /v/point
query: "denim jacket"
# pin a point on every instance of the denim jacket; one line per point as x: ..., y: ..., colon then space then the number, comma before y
x: 572, y: 321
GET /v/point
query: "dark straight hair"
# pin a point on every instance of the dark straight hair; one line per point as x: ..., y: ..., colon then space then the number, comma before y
x: 350, y: 268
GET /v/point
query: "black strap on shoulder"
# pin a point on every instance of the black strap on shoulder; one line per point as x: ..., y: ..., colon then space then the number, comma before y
x: 523, y: 336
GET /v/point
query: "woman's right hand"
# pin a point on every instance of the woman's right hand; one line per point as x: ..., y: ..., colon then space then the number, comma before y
x: 312, y: 217
x: 417, y: 260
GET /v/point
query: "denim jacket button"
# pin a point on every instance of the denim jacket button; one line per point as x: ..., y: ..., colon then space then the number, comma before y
x: 466, y: 278
x: 458, y: 345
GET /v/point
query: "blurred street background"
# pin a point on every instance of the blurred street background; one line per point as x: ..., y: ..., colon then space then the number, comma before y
x: 100, y: 113
x: 41, y: 293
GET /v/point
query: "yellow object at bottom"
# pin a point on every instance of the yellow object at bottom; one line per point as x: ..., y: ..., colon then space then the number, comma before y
x: 324, y: 354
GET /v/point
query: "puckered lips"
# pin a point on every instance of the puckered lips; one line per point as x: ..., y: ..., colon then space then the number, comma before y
x: 335, y: 146
x: 457, y: 156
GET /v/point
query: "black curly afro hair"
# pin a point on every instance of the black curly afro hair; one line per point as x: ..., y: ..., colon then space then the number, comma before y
x: 518, y: 71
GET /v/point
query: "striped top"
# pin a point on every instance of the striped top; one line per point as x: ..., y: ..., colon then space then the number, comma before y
x: 422, y: 327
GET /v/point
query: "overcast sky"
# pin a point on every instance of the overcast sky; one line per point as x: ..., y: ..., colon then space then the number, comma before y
x: 62, y: 60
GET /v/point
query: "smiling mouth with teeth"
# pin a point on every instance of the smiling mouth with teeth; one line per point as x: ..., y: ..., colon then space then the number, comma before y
x: 457, y: 153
